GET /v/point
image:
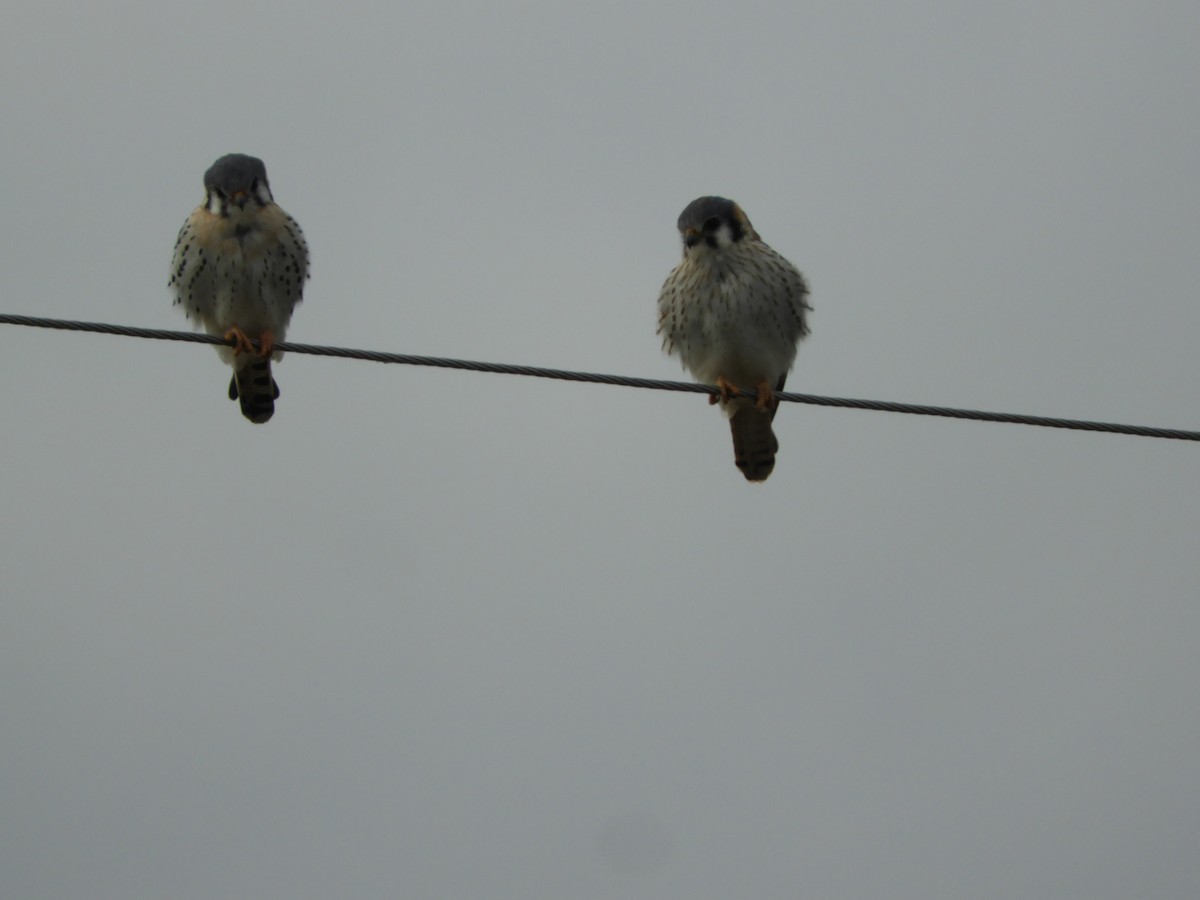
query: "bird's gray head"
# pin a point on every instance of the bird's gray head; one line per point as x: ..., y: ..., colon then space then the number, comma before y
x: 234, y: 180
x: 713, y: 222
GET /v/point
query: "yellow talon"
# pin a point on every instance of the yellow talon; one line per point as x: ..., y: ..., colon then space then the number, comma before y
x: 241, y: 342
x: 766, y: 396
x: 727, y: 390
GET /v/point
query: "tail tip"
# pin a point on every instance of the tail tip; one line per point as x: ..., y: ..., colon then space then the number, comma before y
x: 257, y: 405
x: 757, y: 470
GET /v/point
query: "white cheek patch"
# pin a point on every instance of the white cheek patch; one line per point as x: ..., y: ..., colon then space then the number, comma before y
x: 214, y: 205
x: 263, y: 193
x: 724, y: 235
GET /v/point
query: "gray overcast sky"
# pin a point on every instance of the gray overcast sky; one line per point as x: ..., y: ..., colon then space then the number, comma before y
x: 437, y: 634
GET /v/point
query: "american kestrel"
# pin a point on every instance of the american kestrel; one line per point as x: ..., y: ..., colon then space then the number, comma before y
x: 734, y: 310
x: 239, y: 270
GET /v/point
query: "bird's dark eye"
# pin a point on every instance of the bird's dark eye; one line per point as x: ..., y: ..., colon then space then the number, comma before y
x: 712, y: 224
x: 220, y: 193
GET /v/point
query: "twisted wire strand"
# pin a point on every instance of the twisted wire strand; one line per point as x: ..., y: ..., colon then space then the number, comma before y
x: 620, y: 380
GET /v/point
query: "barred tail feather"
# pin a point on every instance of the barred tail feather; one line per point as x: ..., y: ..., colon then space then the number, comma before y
x: 257, y: 390
x: 754, y: 443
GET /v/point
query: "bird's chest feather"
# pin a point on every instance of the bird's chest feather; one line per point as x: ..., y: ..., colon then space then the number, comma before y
x: 246, y: 269
x: 713, y: 308
x: 241, y: 249
x: 724, y: 316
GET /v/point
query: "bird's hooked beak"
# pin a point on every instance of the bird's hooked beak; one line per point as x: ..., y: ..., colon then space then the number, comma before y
x: 692, y: 236
x: 240, y: 198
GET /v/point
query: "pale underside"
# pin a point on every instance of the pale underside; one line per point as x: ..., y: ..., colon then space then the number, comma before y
x: 245, y: 270
x: 735, y: 313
